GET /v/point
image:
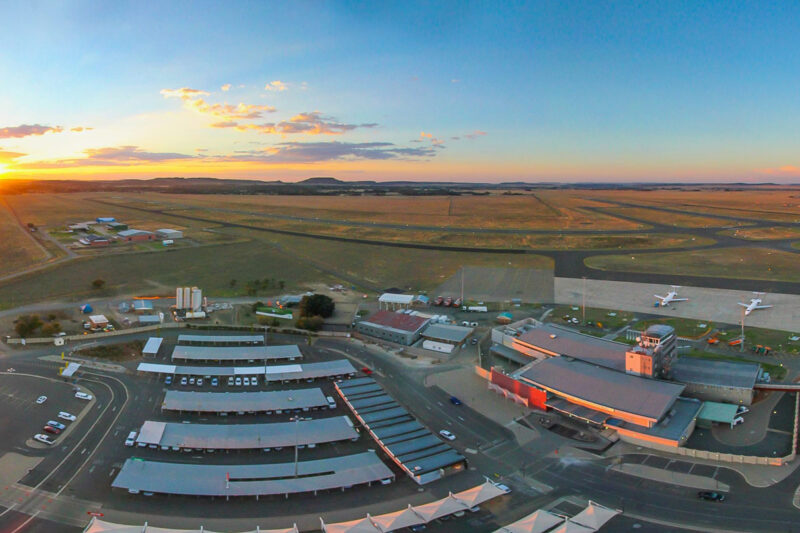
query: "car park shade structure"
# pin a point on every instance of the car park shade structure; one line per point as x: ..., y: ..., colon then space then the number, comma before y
x: 423, y: 456
x: 246, y: 436
x: 324, y: 369
x: 103, y: 526
x: 138, y: 475
x: 220, y: 340
x: 235, y: 353
x: 152, y: 346
x: 243, y: 402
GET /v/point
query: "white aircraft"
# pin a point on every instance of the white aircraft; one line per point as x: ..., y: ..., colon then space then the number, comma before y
x: 672, y: 296
x: 754, y: 304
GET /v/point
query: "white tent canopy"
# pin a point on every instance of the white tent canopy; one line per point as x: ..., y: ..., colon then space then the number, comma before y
x: 101, y: 526
x: 398, y: 520
x: 439, y: 508
x: 362, y: 525
x: 594, y: 516
x: 572, y: 527
x: 537, y: 522
x: 481, y: 493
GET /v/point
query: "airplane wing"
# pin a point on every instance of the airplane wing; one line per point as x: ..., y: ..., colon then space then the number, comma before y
x: 744, y: 305
x: 763, y: 306
x: 660, y: 297
x: 680, y: 299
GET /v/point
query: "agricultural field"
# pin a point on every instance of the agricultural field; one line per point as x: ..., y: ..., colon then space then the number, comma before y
x: 526, y: 210
x: 747, y: 263
x: 19, y: 250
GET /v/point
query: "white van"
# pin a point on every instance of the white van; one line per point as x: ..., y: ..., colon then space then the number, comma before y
x: 331, y: 402
x: 131, y: 440
x: 83, y: 396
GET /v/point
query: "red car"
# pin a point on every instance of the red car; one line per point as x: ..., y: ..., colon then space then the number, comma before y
x: 366, y: 370
x: 52, y: 430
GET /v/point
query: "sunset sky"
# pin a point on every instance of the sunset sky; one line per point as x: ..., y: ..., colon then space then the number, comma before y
x: 455, y: 91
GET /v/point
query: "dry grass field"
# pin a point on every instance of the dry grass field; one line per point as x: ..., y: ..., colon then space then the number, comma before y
x: 764, y: 234
x: 529, y: 210
x: 19, y: 250
x: 748, y: 263
x: 675, y: 219
x: 779, y: 204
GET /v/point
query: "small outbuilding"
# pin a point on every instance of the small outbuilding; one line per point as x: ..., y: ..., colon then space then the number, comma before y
x: 133, y: 235
x: 167, y: 233
x: 391, y: 302
x: 98, y: 321
x: 446, y: 334
x: 143, y: 306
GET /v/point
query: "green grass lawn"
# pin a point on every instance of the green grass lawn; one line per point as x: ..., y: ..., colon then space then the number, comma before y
x: 610, y: 319
x: 684, y: 327
x: 747, y: 263
x: 776, y: 372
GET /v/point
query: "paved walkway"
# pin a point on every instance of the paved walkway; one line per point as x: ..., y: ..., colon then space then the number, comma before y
x: 755, y: 425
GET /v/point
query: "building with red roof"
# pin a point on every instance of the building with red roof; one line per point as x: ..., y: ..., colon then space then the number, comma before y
x: 397, y: 327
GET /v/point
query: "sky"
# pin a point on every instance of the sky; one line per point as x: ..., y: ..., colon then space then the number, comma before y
x: 437, y: 91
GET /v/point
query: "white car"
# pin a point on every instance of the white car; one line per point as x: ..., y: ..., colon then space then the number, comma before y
x: 254, y: 381
x: 83, y: 396
x: 43, y: 438
x: 246, y: 381
x: 238, y: 382
x: 66, y: 416
x: 742, y: 410
x: 502, y: 487
x: 41, y: 399
x: 447, y: 435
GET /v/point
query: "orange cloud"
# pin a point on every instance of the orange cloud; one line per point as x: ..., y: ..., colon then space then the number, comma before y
x: 192, y: 99
x: 434, y: 140
x: 226, y: 87
x: 8, y: 157
x: 308, y: 123
x: 27, y: 130
x: 79, y: 129
x: 276, y: 86
x: 474, y: 134
x: 786, y: 170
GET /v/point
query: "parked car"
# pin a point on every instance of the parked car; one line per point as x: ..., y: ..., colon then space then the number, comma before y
x: 67, y: 416
x: 43, y: 438
x: 83, y: 396
x: 230, y: 381
x: 711, y: 496
x: 41, y: 399
x: 454, y: 400
x: 742, y: 410
x: 246, y: 381
x: 474, y: 341
x: 168, y: 380
x: 447, y: 435
x: 738, y: 420
x: 238, y: 382
x: 214, y: 382
x: 57, y: 425
x: 254, y: 381
x: 184, y: 381
x: 366, y: 370
x: 502, y: 487
x: 51, y: 430
x: 192, y: 380
x: 199, y: 382
x: 131, y: 440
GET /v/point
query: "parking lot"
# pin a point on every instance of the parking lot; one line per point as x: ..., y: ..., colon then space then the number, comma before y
x: 22, y: 417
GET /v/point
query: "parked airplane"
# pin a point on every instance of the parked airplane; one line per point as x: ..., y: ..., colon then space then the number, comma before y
x: 672, y: 296
x: 754, y: 304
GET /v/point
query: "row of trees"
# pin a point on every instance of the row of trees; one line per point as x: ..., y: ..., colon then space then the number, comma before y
x: 27, y: 325
x: 314, y: 310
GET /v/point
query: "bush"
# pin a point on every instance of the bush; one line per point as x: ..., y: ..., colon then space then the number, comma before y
x: 27, y: 325
x: 51, y: 329
x: 317, y: 305
x: 310, y: 323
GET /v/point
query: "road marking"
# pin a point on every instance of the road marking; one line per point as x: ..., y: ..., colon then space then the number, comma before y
x: 461, y: 419
x: 111, y: 473
x: 8, y: 509
x: 25, y: 523
x: 83, y: 451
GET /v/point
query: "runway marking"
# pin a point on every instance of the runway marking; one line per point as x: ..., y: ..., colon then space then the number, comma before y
x: 9, y: 508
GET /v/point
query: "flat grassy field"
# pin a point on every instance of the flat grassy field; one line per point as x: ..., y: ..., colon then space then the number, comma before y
x: 751, y: 263
x: 481, y: 240
x: 673, y: 219
x: 684, y: 327
x: 528, y: 210
x: 19, y: 250
x: 764, y: 234
x: 610, y: 319
x: 209, y: 267
x: 778, y: 203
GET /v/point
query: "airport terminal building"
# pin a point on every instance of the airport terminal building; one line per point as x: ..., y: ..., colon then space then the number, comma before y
x: 644, y: 393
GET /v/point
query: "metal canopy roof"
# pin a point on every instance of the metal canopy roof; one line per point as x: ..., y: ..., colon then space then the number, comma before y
x: 232, y: 402
x: 250, y: 480
x: 322, y: 369
x: 247, y: 436
x: 221, y: 339
x: 236, y: 353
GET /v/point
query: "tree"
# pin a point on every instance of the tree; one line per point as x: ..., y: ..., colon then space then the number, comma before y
x: 26, y: 325
x: 281, y: 284
x: 232, y: 283
x: 310, y: 323
x: 98, y: 283
x: 317, y: 305
x: 51, y: 328
x: 257, y: 305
